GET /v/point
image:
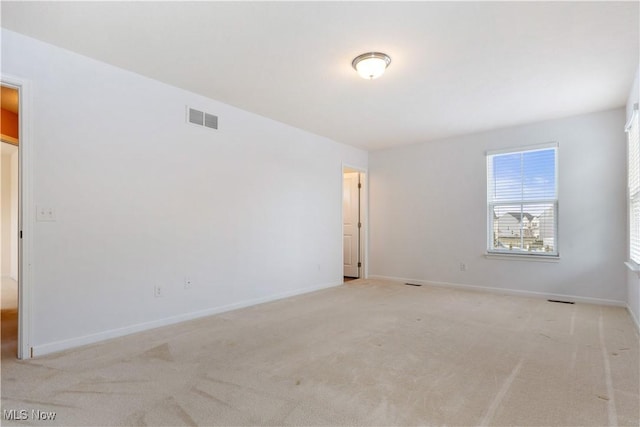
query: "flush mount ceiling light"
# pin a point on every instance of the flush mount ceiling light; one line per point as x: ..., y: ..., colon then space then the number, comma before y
x: 371, y: 65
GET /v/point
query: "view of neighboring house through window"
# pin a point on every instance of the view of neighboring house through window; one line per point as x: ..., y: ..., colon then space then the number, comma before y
x: 522, y: 200
x: 634, y: 186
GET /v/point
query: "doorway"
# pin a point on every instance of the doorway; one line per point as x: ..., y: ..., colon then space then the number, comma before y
x: 9, y: 217
x: 353, y: 230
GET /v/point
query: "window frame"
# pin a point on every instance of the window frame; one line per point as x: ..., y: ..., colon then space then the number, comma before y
x: 490, y: 250
x: 633, y: 198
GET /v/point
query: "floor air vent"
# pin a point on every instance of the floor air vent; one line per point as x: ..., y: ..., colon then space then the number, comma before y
x: 412, y: 284
x: 201, y: 118
x: 560, y: 301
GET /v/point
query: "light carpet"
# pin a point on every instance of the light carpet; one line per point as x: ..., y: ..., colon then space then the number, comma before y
x: 365, y: 353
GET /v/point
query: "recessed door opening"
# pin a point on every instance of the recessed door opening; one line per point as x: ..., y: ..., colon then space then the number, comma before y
x: 353, y: 210
x: 9, y: 218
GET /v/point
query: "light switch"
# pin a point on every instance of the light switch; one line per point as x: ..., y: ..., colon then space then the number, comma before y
x: 45, y: 213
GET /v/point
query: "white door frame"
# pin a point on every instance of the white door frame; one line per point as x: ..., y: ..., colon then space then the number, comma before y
x: 364, y: 217
x: 25, y: 212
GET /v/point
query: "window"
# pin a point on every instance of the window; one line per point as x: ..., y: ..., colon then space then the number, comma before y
x: 633, y: 134
x: 522, y: 201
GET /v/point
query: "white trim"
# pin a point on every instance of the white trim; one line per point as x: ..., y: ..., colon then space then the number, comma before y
x: 522, y: 257
x: 503, y: 291
x: 534, y: 147
x: 632, y: 194
x: 364, y: 217
x: 57, y: 346
x: 633, y: 266
x: 25, y: 216
x: 492, y: 204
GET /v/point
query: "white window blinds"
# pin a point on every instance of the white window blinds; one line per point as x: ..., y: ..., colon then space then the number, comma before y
x: 633, y: 134
x: 522, y: 201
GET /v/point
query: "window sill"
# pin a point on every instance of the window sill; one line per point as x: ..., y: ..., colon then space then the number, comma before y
x: 633, y: 267
x: 519, y: 257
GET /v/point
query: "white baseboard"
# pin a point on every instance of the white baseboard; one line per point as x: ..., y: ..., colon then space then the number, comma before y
x: 40, y: 350
x: 503, y: 291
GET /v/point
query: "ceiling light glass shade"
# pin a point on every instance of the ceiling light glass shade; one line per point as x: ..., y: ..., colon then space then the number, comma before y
x: 371, y: 65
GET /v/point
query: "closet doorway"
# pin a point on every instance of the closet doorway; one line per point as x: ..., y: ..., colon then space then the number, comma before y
x: 353, y: 224
x: 9, y: 217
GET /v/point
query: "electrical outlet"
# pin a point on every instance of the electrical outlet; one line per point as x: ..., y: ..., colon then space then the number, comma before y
x: 188, y: 283
x: 463, y: 266
x: 158, y: 291
x: 45, y: 213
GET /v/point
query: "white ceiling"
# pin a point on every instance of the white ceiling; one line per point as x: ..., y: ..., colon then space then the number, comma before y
x: 457, y: 67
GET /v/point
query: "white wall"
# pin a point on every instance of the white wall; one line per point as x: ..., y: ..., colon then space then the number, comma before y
x: 249, y: 213
x: 633, y: 278
x: 428, y: 210
x: 8, y: 214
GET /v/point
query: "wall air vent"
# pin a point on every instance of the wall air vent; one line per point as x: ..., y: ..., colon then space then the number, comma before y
x: 210, y: 121
x: 201, y: 118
